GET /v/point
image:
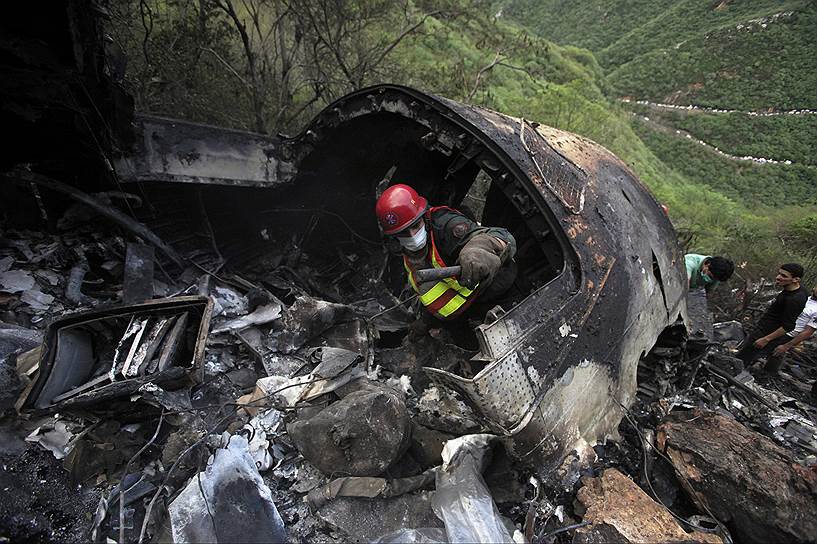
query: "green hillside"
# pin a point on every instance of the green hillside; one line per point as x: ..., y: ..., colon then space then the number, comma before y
x: 769, y: 63
x: 743, y: 181
x: 691, y: 19
x: 785, y: 137
x: 592, y: 24
x: 525, y: 58
x: 737, y: 54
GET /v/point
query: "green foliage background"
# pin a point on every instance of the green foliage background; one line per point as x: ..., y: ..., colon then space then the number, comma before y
x: 565, y: 64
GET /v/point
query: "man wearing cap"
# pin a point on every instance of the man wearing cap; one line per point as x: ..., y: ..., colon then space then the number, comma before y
x: 779, y: 318
x: 436, y: 237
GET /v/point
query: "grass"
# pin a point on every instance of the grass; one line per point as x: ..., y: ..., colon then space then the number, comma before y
x: 592, y: 24
x: 754, y: 185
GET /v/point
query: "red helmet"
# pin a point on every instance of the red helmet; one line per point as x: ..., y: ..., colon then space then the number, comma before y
x: 398, y: 207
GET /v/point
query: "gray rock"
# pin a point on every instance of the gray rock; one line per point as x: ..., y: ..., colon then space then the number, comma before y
x: 360, y: 435
x: 427, y: 445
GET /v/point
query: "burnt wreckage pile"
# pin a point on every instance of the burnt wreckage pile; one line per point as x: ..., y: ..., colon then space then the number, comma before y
x: 219, y: 363
x: 248, y: 397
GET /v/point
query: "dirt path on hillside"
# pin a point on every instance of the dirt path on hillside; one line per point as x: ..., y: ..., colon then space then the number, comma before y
x: 684, y: 134
x: 692, y: 109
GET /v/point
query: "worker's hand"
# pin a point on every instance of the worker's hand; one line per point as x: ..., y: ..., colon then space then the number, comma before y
x: 480, y: 259
x: 761, y: 342
x: 781, y: 350
x: 478, y: 265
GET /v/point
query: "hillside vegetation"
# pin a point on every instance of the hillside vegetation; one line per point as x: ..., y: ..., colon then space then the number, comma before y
x: 786, y: 137
x: 767, y: 63
x: 269, y: 65
x: 743, y: 55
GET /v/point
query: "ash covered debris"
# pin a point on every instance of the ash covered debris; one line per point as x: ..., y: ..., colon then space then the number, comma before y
x: 322, y: 412
x: 214, y: 337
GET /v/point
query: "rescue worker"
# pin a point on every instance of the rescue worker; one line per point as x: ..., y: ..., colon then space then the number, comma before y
x: 436, y: 237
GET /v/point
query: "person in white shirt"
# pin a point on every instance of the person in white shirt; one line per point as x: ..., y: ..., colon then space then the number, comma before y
x: 804, y: 327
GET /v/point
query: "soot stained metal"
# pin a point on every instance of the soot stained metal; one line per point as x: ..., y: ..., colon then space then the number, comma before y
x: 559, y: 364
x: 557, y: 367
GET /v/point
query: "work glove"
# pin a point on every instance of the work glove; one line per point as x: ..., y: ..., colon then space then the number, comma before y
x: 480, y: 260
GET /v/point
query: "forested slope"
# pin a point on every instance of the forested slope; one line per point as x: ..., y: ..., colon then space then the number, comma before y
x: 733, y: 61
x: 269, y: 65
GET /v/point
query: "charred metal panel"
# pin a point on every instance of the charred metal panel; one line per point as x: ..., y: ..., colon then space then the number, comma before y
x: 74, y: 352
x: 560, y: 363
x: 178, y: 151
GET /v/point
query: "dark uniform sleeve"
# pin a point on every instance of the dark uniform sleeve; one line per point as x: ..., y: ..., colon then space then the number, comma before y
x: 792, y: 309
x: 452, y: 230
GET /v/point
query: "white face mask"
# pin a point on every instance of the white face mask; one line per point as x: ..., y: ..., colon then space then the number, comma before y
x: 416, y: 242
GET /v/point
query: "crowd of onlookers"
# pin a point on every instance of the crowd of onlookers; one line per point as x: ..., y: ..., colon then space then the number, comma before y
x: 790, y: 319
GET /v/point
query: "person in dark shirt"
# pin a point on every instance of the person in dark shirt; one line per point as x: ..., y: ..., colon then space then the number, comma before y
x: 779, y: 318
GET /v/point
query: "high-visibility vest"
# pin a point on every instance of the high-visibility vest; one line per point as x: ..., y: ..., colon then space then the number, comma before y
x: 447, y: 299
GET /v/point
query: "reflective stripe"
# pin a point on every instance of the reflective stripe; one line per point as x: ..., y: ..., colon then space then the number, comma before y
x: 447, y: 296
x: 464, y: 291
x: 452, y: 306
x: 433, y: 294
x: 441, y: 301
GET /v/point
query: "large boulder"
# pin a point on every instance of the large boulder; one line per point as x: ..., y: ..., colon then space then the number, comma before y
x: 747, y: 481
x: 360, y: 435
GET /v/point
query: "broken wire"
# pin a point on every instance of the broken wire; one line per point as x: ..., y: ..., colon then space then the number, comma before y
x: 125, y: 473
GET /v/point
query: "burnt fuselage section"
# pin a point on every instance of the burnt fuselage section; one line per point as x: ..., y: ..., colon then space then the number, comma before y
x: 599, y: 263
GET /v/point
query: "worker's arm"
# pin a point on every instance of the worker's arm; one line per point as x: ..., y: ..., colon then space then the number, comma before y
x: 774, y: 335
x: 804, y: 335
x: 481, y: 251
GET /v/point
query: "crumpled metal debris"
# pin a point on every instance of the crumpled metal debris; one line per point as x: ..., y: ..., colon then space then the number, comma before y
x: 228, y: 302
x: 228, y: 502
x: 56, y: 436
x: 728, y: 332
x: 261, y: 429
x: 368, y: 487
x: 16, y: 281
x: 334, y: 371
x: 366, y: 520
x: 306, y: 318
x: 37, y: 299
x: 260, y: 316
x: 442, y: 410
